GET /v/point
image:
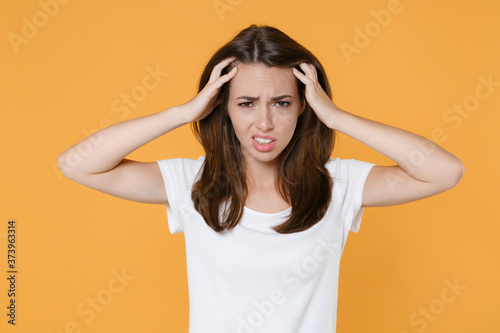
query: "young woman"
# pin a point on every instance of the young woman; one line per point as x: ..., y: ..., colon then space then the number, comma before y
x: 267, y: 211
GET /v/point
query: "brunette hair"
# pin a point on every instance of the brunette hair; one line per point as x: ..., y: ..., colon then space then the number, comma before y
x: 303, y: 181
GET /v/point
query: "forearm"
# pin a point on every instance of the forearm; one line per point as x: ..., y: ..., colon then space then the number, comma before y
x: 103, y: 150
x: 419, y: 157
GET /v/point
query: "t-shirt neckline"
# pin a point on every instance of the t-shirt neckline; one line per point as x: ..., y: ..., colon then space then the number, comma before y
x: 263, y: 222
x: 269, y: 215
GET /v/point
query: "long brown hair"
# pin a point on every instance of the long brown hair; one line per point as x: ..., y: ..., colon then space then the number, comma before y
x: 303, y: 181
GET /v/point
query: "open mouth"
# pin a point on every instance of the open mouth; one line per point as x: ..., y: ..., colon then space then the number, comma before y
x: 262, y: 141
x: 263, y: 144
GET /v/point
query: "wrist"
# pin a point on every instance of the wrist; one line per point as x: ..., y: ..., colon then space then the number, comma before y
x: 335, y: 119
x: 180, y: 115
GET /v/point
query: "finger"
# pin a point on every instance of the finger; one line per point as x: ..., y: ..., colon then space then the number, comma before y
x: 216, y: 71
x: 309, y: 69
x: 221, y: 81
x: 226, y: 77
x: 302, y: 77
x: 297, y: 73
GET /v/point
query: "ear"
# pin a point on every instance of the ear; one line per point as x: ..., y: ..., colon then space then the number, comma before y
x: 302, y: 106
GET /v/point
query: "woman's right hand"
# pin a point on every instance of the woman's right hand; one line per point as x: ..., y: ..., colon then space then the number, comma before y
x: 205, y: 102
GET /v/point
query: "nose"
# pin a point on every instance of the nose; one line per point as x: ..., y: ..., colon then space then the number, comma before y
x: 264, y: 120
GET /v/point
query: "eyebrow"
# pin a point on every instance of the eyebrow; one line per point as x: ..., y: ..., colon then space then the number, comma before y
x: 274, y: 99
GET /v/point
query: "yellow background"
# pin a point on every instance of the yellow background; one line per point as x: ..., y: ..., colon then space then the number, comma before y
x: 59, y: 85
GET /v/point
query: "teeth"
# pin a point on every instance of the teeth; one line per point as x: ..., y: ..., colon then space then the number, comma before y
x: 262, y: 141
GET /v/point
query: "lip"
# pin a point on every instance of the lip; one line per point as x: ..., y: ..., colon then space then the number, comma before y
x: 264, y: 137
x: 263, y: 147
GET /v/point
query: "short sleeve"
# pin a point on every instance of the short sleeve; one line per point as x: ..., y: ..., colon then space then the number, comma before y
x: 350, y: 175
x: 179, y: 175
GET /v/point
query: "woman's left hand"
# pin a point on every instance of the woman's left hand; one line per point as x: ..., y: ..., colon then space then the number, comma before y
x: 316, y: 96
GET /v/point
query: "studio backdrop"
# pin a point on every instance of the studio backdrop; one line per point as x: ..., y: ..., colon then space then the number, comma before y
x: 77, y: 260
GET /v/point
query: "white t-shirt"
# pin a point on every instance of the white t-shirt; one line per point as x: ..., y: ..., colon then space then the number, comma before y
x: 254, y: 279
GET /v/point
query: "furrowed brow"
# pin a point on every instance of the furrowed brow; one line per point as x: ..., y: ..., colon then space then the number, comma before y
x: 274, y: 99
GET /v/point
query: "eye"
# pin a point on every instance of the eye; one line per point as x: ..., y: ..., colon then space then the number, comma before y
x: 244, y: 104
x: 287, y: 103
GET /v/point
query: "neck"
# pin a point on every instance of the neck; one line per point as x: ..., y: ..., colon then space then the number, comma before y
x: 261, y: 175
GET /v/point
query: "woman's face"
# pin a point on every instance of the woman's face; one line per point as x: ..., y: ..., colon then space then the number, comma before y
x: 264, y: 107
